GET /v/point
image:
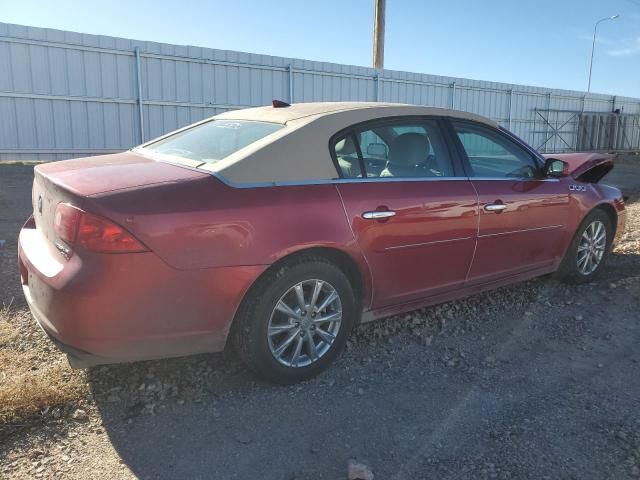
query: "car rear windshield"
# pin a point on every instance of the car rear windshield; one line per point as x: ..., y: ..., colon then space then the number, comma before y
x: 214, y: 140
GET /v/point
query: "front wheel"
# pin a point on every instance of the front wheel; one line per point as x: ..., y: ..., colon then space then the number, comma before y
x: 589, y: 249
x: 295, y: 321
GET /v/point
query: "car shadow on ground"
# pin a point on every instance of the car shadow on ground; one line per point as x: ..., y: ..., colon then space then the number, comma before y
x: 508, y: 389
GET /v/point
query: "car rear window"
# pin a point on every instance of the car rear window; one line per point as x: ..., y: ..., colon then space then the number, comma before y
x: 214, y: 140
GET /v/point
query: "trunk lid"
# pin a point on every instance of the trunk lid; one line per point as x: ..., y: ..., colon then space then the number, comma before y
x: 106, y: 173
x: 585, y: 166
x: 72, y: 181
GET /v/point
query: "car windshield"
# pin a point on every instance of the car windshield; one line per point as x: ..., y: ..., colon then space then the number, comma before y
x: 214, y: 140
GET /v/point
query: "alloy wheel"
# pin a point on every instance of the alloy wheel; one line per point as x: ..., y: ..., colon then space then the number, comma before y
x: 591, y: 247
x: 304, y: 323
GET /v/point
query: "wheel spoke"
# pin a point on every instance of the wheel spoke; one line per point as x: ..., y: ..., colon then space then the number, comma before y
x: 327, y: 301
x: 317, y: 288
x: 285, y: 343
x: 286, y: 309
x: 296, y: 353
x: 311, y: 348
x: 582, y: 248
x: 587, y: 265
x: 276, y: 329
x: 300, y: 296
x: 333, y: 317
x: 586, y: 239
x: 598, y: 229
x: 326, y: 336
x: 583, y: 258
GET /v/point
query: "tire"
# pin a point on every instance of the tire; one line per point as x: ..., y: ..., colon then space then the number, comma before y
x: 573, y: 268
x: 258, y: 318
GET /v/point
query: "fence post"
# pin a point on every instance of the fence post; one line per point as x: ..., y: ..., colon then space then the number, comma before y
x: 453, y: 95
x: 581, y: 128
x: 376, y: 86
x: 290, y: 72
x: 139, y: 79
x: 546, y: 127
x: 510, y: 103
x: 532, y: 130
x: 634, y: 130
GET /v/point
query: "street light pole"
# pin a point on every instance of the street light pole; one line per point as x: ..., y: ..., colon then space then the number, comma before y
x: 593, y: 45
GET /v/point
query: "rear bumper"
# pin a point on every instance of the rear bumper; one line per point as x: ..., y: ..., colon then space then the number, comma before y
x: 108, y: 308
x: 77, y: 358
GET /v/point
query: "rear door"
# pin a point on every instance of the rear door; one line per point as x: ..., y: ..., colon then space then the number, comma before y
x: 411, y: 210
x: 522, y: 214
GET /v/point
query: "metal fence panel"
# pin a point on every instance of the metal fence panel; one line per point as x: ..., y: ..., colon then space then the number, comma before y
x: 67, y: 94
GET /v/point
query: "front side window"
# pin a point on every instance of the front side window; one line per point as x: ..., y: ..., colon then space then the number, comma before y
x: 492, y: 155
x: 212, y: 141
x: 411, y: 149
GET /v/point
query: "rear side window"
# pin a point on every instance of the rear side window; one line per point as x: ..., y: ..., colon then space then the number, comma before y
x: 402, y: 149
x: 492, y: 155
x: 214, y: 140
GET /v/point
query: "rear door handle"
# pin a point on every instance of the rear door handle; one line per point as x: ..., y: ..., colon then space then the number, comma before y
x: 495, y: 207
x: 378, y: 214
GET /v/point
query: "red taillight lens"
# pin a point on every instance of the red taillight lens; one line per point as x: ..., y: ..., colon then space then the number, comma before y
x: 89, y: 231
x: 66, y: 222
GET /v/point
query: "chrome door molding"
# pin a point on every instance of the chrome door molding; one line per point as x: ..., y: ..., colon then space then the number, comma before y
x: 536, y: 229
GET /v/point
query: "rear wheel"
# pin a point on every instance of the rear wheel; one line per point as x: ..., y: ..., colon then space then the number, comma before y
x: 589, y: 249
x: 295, y: 321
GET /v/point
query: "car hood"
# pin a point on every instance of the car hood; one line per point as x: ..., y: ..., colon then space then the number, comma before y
x: 107, y: 173
x: 586, y: 166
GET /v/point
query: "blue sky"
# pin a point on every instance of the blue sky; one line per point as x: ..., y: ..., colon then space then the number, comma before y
x: 541, y: 42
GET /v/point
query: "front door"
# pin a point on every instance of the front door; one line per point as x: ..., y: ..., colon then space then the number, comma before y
x: 522, y: 214
x: 412, y: 216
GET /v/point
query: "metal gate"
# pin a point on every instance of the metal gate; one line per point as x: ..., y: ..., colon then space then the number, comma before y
x: 574, y: 130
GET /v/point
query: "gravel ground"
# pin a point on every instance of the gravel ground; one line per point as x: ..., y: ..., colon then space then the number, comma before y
x: 537, y: 380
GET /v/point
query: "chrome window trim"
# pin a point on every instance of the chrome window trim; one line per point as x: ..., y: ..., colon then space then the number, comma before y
x: 332, y: 181
x: 396, y: 179
x: 514, y: 179
x: 338, y: 181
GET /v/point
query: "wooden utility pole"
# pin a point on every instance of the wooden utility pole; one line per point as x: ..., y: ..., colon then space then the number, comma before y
x: 378, y: 34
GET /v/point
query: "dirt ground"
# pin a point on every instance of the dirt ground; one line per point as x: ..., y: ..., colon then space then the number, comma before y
x: 537, y: 380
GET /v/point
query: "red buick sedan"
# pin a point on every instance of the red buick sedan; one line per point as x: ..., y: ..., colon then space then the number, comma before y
x: 277, y: 229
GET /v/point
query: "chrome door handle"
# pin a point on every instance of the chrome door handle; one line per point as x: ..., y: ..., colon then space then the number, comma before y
x: 495, y: 207
x: 378, y: 214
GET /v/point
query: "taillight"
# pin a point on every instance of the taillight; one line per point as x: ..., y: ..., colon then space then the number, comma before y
x: 92, y: 232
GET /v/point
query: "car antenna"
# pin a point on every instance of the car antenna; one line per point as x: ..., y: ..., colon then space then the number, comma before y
x: 279, y: 104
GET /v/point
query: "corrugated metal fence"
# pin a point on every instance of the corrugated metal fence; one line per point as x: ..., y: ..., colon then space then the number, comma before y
x: 66, y: 94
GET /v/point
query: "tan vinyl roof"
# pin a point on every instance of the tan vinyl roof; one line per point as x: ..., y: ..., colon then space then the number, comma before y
x: 297, y: 111
x: 299, y: 152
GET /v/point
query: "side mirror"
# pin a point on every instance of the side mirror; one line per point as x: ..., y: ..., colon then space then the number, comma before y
x: 556, y: 168
x: 377, y: 150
